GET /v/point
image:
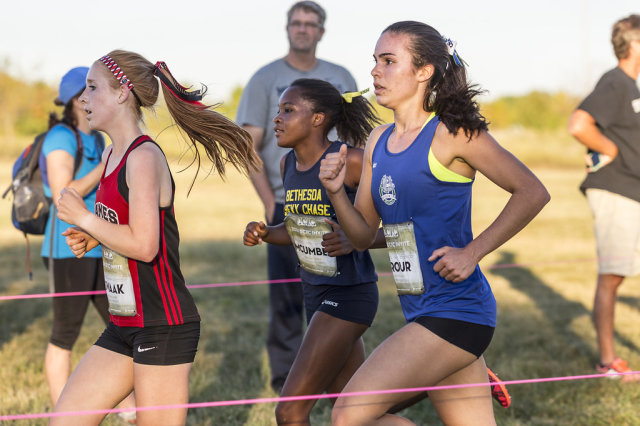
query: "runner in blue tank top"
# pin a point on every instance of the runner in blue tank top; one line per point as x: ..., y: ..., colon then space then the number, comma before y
x: 417, y: 179
x: 339, y: 283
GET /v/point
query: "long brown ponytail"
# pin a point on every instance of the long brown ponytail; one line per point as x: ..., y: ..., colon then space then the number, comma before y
x: 223, y: 140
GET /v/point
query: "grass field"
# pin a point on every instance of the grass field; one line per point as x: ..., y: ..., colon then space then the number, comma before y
x: 544, y: 305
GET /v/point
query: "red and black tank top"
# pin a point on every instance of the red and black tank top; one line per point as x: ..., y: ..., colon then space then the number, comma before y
x: 161, y: 296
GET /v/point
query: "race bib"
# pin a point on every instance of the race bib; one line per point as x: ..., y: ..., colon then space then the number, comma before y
x: 117, y: 279
x: 306, y: 235
x: 403, y: 254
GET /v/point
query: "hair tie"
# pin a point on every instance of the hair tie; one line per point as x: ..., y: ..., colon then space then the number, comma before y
x: 161, y: 71
x: 348, y: 96
x: 451, y: 48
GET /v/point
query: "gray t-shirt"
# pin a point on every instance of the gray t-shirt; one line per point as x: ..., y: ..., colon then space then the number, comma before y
x: 259, y: 105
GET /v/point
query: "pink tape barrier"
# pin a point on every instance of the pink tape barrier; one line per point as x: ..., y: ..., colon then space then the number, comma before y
x: 305, y: 397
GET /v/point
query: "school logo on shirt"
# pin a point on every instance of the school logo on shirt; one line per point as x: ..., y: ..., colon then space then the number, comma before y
x: 106, y: 213
x: 387, y: 190
x: 635, y: 104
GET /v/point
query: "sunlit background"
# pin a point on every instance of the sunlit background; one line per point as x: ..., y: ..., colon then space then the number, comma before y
x: 512, y: 47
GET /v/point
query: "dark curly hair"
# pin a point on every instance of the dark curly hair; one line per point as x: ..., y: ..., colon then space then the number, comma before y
x: 448, y: 92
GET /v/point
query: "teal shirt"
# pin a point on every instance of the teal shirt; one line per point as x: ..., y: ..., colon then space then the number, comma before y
x: 62, y: 138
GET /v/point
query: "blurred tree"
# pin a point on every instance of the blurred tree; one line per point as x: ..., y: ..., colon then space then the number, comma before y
x: 230, y: 106
x: 25, y: 107
x: 535, y: 110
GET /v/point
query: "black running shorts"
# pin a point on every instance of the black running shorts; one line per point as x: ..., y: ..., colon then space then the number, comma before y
x: 471, y: 337
x: 157, y: 345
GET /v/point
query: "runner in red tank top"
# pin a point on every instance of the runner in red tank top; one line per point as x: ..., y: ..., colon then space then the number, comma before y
x: 151, y: 341
x: 166, y: 300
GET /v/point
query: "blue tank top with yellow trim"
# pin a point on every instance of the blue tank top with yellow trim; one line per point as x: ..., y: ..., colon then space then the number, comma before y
x: 404, y: 189
x: 305, y: 195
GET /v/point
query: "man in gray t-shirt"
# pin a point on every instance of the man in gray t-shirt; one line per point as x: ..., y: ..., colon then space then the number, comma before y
x: 258, y: 106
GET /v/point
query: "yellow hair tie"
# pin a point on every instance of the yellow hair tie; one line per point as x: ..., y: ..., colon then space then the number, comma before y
x: 348, y: 96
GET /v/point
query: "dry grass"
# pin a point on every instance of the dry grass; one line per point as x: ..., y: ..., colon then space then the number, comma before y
x: 544, y: 305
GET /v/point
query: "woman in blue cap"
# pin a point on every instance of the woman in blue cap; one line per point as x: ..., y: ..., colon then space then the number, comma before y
x: 71, y: 155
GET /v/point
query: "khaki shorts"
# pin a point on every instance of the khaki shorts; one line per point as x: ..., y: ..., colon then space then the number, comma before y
x: 617, y: 232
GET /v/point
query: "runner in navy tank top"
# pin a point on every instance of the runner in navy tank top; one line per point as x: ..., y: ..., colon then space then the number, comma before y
x: 305, y: 196
x: 151, y: 341
x: 339, y: 283
x: 417, y: 178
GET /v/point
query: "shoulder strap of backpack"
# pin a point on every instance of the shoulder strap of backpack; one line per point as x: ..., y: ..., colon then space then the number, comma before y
x: 79, y: 150
x: 100, y: 143
x: 34, y: 153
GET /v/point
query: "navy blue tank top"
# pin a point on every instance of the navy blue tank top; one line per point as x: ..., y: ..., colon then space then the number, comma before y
x: 404, y: 190
x: 305, y: 195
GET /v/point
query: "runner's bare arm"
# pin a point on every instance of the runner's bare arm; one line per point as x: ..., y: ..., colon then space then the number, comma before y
x: 257, y: 232
x: 147, y: 171
x: 360, y: 221
x: 528, y: 196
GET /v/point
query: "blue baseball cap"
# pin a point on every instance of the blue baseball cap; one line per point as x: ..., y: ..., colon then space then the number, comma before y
x: 72, y: 83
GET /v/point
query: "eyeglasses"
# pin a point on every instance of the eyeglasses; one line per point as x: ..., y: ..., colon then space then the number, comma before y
x: 304, y: 25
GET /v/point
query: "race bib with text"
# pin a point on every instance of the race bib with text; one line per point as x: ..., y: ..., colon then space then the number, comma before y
x: 306, y: 235
x: 118, y: 282
x: 403, y: 255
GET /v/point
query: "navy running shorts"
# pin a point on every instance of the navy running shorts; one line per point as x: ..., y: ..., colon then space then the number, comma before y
x: 355, y: 303
x: 156, y: 345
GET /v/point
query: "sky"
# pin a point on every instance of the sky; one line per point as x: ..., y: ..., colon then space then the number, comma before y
x: 511, y: 47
